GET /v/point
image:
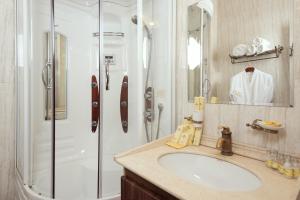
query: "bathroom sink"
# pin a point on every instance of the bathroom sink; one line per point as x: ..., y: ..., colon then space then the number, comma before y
x: 210, y: 172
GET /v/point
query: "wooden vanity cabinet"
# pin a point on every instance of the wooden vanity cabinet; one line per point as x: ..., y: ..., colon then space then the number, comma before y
x: 133, y: 187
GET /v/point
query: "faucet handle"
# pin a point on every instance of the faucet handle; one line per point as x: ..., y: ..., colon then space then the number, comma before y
x: 225, y: 130
x: 222, y: 127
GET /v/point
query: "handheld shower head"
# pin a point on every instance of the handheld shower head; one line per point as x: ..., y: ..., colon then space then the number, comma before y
x: 134, y: 20
x: 160, y: 109
x: 160, y: 106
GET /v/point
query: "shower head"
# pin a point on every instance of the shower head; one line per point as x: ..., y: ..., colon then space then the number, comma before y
x: 160, y: 106
x: 134, y: 19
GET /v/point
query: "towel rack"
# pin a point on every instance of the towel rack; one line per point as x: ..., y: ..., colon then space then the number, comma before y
x: 274, y: 53
x: 116, y: 34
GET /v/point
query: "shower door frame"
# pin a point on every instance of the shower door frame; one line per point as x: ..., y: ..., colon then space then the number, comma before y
x: 101, y: 82
x: 25, y: 173
x: 53, y: 121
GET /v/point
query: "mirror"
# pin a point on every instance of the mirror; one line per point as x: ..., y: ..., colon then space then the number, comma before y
x: 198, y: 35
x: 61, y: 77
x: 239, y: 52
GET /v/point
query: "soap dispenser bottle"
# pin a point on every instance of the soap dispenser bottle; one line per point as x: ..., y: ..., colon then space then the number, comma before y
x: 225, y: 142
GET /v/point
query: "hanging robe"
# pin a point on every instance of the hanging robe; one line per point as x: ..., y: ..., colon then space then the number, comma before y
x: 252, y: 88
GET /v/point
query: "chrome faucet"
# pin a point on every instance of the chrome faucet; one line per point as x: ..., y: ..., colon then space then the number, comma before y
x: 225, y: 142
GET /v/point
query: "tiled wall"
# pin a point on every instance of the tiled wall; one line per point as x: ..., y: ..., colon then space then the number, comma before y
x: 7, y: 99
x: 237, y: 116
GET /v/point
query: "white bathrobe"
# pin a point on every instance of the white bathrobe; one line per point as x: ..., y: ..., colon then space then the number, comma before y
x: 255, y: 88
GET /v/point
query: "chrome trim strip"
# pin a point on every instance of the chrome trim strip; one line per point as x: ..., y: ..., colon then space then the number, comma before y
x: 52, y: 28
x: 100, y: 129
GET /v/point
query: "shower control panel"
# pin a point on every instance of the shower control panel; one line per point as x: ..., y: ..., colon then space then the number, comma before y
x: 110, y: 59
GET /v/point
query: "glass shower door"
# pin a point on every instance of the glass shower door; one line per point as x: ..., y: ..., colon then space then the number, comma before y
x: 77, y: 99
x: 122, y: 89
x: 35, y: 73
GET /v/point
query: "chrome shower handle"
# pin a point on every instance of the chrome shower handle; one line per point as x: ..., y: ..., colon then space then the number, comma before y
x: 46, y: 80
x: 107, y: 75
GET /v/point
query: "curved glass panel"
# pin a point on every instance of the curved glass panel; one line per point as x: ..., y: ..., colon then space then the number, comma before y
x: 77, y: 99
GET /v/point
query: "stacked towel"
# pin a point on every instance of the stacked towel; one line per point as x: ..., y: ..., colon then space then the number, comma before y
x: 251, y: 50
x: 259, y: 45
x: 240, y: 50
x: 262, y: 45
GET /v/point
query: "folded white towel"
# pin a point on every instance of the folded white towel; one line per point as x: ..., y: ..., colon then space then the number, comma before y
x: 262, y: 45
x: 240, y: 50
x: 251, y: 50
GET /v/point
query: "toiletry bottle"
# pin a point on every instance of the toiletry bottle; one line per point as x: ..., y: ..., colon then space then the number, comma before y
x: 275, y: 160
x: 296, y: 167
x: 288, y: 168
x: 269, y: 160
x: 274, y: 146
x: 281, y: 158
x: 198, y: 118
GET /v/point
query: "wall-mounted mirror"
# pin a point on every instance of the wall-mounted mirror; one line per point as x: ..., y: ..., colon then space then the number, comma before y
x: 60, y: 79
x: 239, y: 52
x: 197, y: 50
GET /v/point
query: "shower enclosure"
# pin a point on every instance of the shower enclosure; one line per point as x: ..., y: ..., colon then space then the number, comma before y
x: 84, y: 71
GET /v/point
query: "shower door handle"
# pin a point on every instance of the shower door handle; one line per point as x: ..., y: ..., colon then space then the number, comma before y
x: 124, y: 104
x: 47, y: 81
x: 95, y: 103
x: 107, y: 75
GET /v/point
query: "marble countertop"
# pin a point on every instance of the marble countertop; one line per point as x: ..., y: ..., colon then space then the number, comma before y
x: 143, y: 161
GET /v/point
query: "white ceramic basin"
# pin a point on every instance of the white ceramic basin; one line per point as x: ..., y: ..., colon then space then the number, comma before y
x: 211, y: 172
